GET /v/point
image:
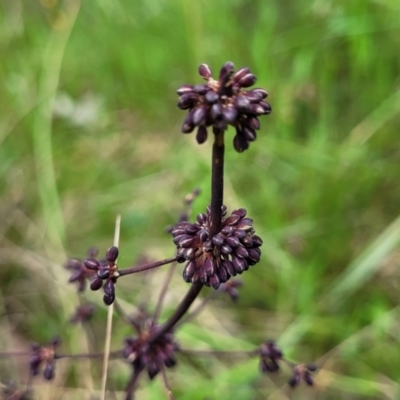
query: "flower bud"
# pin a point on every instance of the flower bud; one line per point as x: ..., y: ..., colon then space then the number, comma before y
x: 112, y: 254
x: 205, y: 71
x: 201, y: 135
x: 96, y: 283
x: 91, y: 263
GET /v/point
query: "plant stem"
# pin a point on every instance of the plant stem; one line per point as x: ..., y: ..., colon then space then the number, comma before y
x: 217, y: 194
x: 179, y: 312
x: 221, y: 353
x: 112, y: 354
x: 132, y: 383
x: 166, y: 384
x: 163, y: 292
x: 145, y: 267
x: 110, y: 313
x: 217, y: 183
x: 212, y: 295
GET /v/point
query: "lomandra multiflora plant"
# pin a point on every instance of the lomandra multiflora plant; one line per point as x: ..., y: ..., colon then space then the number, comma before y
x: 212, y: 250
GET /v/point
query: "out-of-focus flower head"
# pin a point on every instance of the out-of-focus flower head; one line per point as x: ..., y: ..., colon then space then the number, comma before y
x: 150, y: 356
x: 302, y: 372
x: 270, y: 355
x: 44, y: 355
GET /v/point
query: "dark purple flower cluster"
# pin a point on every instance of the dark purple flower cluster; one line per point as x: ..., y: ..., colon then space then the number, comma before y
x: 105, y: 272
x: 44, y: 355
x: 270, y: 355
x: 151, y: 356
x: 80, y: 274
x: 223, y: 102
x: 302, y: 372
x: 213, y: 260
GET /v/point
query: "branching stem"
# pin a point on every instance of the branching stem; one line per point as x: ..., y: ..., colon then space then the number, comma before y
x: 217, y: 195
x: 145, y: 267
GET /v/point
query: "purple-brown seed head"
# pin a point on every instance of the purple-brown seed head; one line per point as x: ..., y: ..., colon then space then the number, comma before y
x: 302, y: 372
x: 270, y: 355
x: 44, y: 355
x: 106, y: 271
x: 213, y: 260
x: 223, y: 102
x: 142, y: 354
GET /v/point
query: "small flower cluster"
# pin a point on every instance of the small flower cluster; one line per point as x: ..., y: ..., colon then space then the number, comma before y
x: 83, y: 313
x: 151, y: 356
x: 80, y: 274
x: 223, y: 102
x: 270, y: 355
x: 302, y: 372
x: 105, y: 272
x: 213, y: 260
x: 44, y: 355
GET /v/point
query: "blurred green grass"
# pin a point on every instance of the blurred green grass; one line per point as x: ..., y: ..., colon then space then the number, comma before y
x: 89, y: 128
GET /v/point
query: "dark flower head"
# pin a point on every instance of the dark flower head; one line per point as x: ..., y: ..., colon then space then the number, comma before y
x: 213, y: 260
x: 270, y: 355
x: 223, y: 102
x: 106, y: 271
x: 151, y: 356
x: 44, y: 355
x: 302, y: 372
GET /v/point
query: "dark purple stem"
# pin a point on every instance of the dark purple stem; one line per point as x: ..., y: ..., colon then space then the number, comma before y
x: 132, y: 383
x: 145, y: 267
x: 15, y: 353
x: 217, y: 183
x: 221, y: 353
x: 113, y: 354
x: 217, y: 194
x: 212, y: 295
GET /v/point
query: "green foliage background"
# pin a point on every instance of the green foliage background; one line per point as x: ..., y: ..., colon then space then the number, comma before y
x: 89, y: 129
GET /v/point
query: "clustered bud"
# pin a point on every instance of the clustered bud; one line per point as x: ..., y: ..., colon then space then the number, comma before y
x: 213, y: 260
x: 151, y: 356
x: 223, y: 102
x: 80, y: 274
x: 270, y: 355
x: 44, y: 355
x: 83, y: 313
x: 302, y: 372
x: 107, y: 272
